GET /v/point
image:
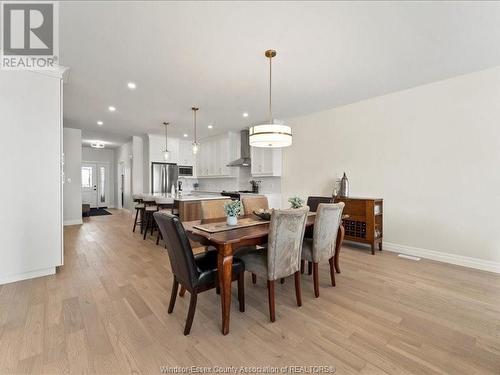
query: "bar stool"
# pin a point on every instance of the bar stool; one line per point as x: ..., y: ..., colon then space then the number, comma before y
x: 148, y: 210
x: 137, y: 198
x: 165, y: 204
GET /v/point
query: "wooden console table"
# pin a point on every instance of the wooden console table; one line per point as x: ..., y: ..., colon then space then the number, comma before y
x: 365, y: 222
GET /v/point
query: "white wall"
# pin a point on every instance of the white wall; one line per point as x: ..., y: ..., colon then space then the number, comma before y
x: 137, y: 165
x: 72, y: 188
x: 103, y: 155
x: 124, y: 156
x: 432, y: 153
x: 31, y: 189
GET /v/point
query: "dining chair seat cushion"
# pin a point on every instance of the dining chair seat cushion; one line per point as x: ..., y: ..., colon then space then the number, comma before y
x: 152, y: 208
x: 255, y: 262
x: 207, y: 267
x: 246, y: 250
x: 139, y: 206
x: 307, y: 246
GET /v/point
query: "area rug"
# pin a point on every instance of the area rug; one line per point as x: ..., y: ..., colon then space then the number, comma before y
x: 98, y: 212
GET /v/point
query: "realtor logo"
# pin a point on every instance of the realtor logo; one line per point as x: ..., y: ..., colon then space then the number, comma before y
x: 29, y: 35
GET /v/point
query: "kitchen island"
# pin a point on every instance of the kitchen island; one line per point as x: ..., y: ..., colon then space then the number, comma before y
x: 189, y: 205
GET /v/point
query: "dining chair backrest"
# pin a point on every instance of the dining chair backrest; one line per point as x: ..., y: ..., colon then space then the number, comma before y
x: 313, y: 202
x: 179, y: 248
x: 251, y: 204
x: 284, y: 246
x: 213, y: 209
x: 326, y: 226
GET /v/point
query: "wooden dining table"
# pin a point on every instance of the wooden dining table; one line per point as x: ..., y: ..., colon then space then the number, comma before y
x: 227, y: 242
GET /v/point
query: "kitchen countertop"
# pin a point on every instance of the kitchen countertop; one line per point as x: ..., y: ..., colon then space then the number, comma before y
x: 199, y: 197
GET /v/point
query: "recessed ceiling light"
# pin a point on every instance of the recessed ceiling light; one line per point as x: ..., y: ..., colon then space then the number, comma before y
x: 111, y: 108
x: 245, y: 114
x: 131, y: 85
x: 100, y: 123
x: 97, y: 144
x: 210, y: 126
x: 185, y: 135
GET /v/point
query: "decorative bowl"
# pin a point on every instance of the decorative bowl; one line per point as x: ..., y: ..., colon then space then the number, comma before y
x: 263, y: 214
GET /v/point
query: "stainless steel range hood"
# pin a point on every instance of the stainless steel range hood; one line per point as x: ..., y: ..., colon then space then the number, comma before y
x: 244, y: 160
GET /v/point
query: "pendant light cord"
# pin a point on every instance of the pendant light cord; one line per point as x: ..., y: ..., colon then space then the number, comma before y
x: 270, y: 91
x: 194, y: 113
x: 166, y: 135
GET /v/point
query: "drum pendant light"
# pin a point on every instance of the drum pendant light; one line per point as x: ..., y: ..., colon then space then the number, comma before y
x: 270, y: 134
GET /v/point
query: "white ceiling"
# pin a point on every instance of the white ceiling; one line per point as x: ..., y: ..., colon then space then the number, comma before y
x: 211, y: 54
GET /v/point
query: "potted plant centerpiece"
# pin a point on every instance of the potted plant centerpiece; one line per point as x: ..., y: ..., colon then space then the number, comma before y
x: 232, y: 210
x: 296, y: 202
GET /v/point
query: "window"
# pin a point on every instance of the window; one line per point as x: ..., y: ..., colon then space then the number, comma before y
x: 102, y: 185
x: 87, y: 177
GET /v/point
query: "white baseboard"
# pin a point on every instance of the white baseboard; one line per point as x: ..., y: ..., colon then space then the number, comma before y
x: 73, y: 222
x: 460, y: 260
x: 27, y: 275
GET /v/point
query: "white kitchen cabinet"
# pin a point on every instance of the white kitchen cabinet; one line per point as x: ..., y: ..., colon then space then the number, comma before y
x: 266, y: 161
x: 186, y: 156
x: 214, y: 155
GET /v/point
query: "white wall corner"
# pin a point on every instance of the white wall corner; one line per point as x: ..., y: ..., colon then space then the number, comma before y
x: 459, y: 260
x: 27, y: 275
x: 73, y: 222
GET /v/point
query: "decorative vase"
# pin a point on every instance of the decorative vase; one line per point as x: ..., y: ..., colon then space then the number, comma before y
x: 344, y: 186
x: 232, y: 220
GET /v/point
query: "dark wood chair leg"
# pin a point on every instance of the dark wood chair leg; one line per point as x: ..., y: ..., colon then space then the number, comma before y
x: 373, y: 248
x: 135, y: 221
x: 316, y: 279
x: 254, y: 278
x: 173, y: 296
x: 302, y: 265
x: 270, y: 295
x: 147, y: 226
x: 332, y: 270
x: 298, y: 293
x: 158, y: 237
x: 192, y: 309
x: 142, y: 217
x: 241, y: 291
x: 380, y: 246
x: 338, y: 247
x: 309, y: 268
x: 152, y: 223
x: 182, y: 292
x: 217, y: 289
x: 282, y: 280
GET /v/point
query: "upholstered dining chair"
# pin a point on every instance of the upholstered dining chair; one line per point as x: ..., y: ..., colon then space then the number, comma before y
x: 281, y: 257
x: 197, y: 273
x: 251, y: 204
x: 212, y: 209
x: 312, y: 203
x: 322, y: 246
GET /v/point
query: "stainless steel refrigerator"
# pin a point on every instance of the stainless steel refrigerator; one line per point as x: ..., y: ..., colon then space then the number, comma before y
x: 163, y: 177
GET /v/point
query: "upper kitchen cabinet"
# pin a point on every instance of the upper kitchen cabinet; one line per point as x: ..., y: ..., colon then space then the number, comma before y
x: 266, y: 161
x: 214, y: 155
x: 186, y: 157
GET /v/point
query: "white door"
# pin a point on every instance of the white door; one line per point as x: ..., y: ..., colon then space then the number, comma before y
x: 95, y: 184
x: 89, y: 184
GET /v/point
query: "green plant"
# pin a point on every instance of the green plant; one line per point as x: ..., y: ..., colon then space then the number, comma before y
x: 232, y: 208
x: 296, y: 202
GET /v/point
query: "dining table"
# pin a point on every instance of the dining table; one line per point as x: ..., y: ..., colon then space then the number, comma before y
x: 228, y: 241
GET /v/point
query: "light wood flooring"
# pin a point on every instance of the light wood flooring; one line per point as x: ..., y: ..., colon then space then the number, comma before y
x: 105, y: 312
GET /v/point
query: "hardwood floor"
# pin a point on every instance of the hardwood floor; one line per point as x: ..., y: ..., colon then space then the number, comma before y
x: 105, y: 311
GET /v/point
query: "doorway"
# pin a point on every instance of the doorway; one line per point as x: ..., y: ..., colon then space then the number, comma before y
x: 95, y: 184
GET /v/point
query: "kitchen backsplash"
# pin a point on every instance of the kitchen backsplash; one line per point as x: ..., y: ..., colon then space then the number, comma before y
x: 268, y: 185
